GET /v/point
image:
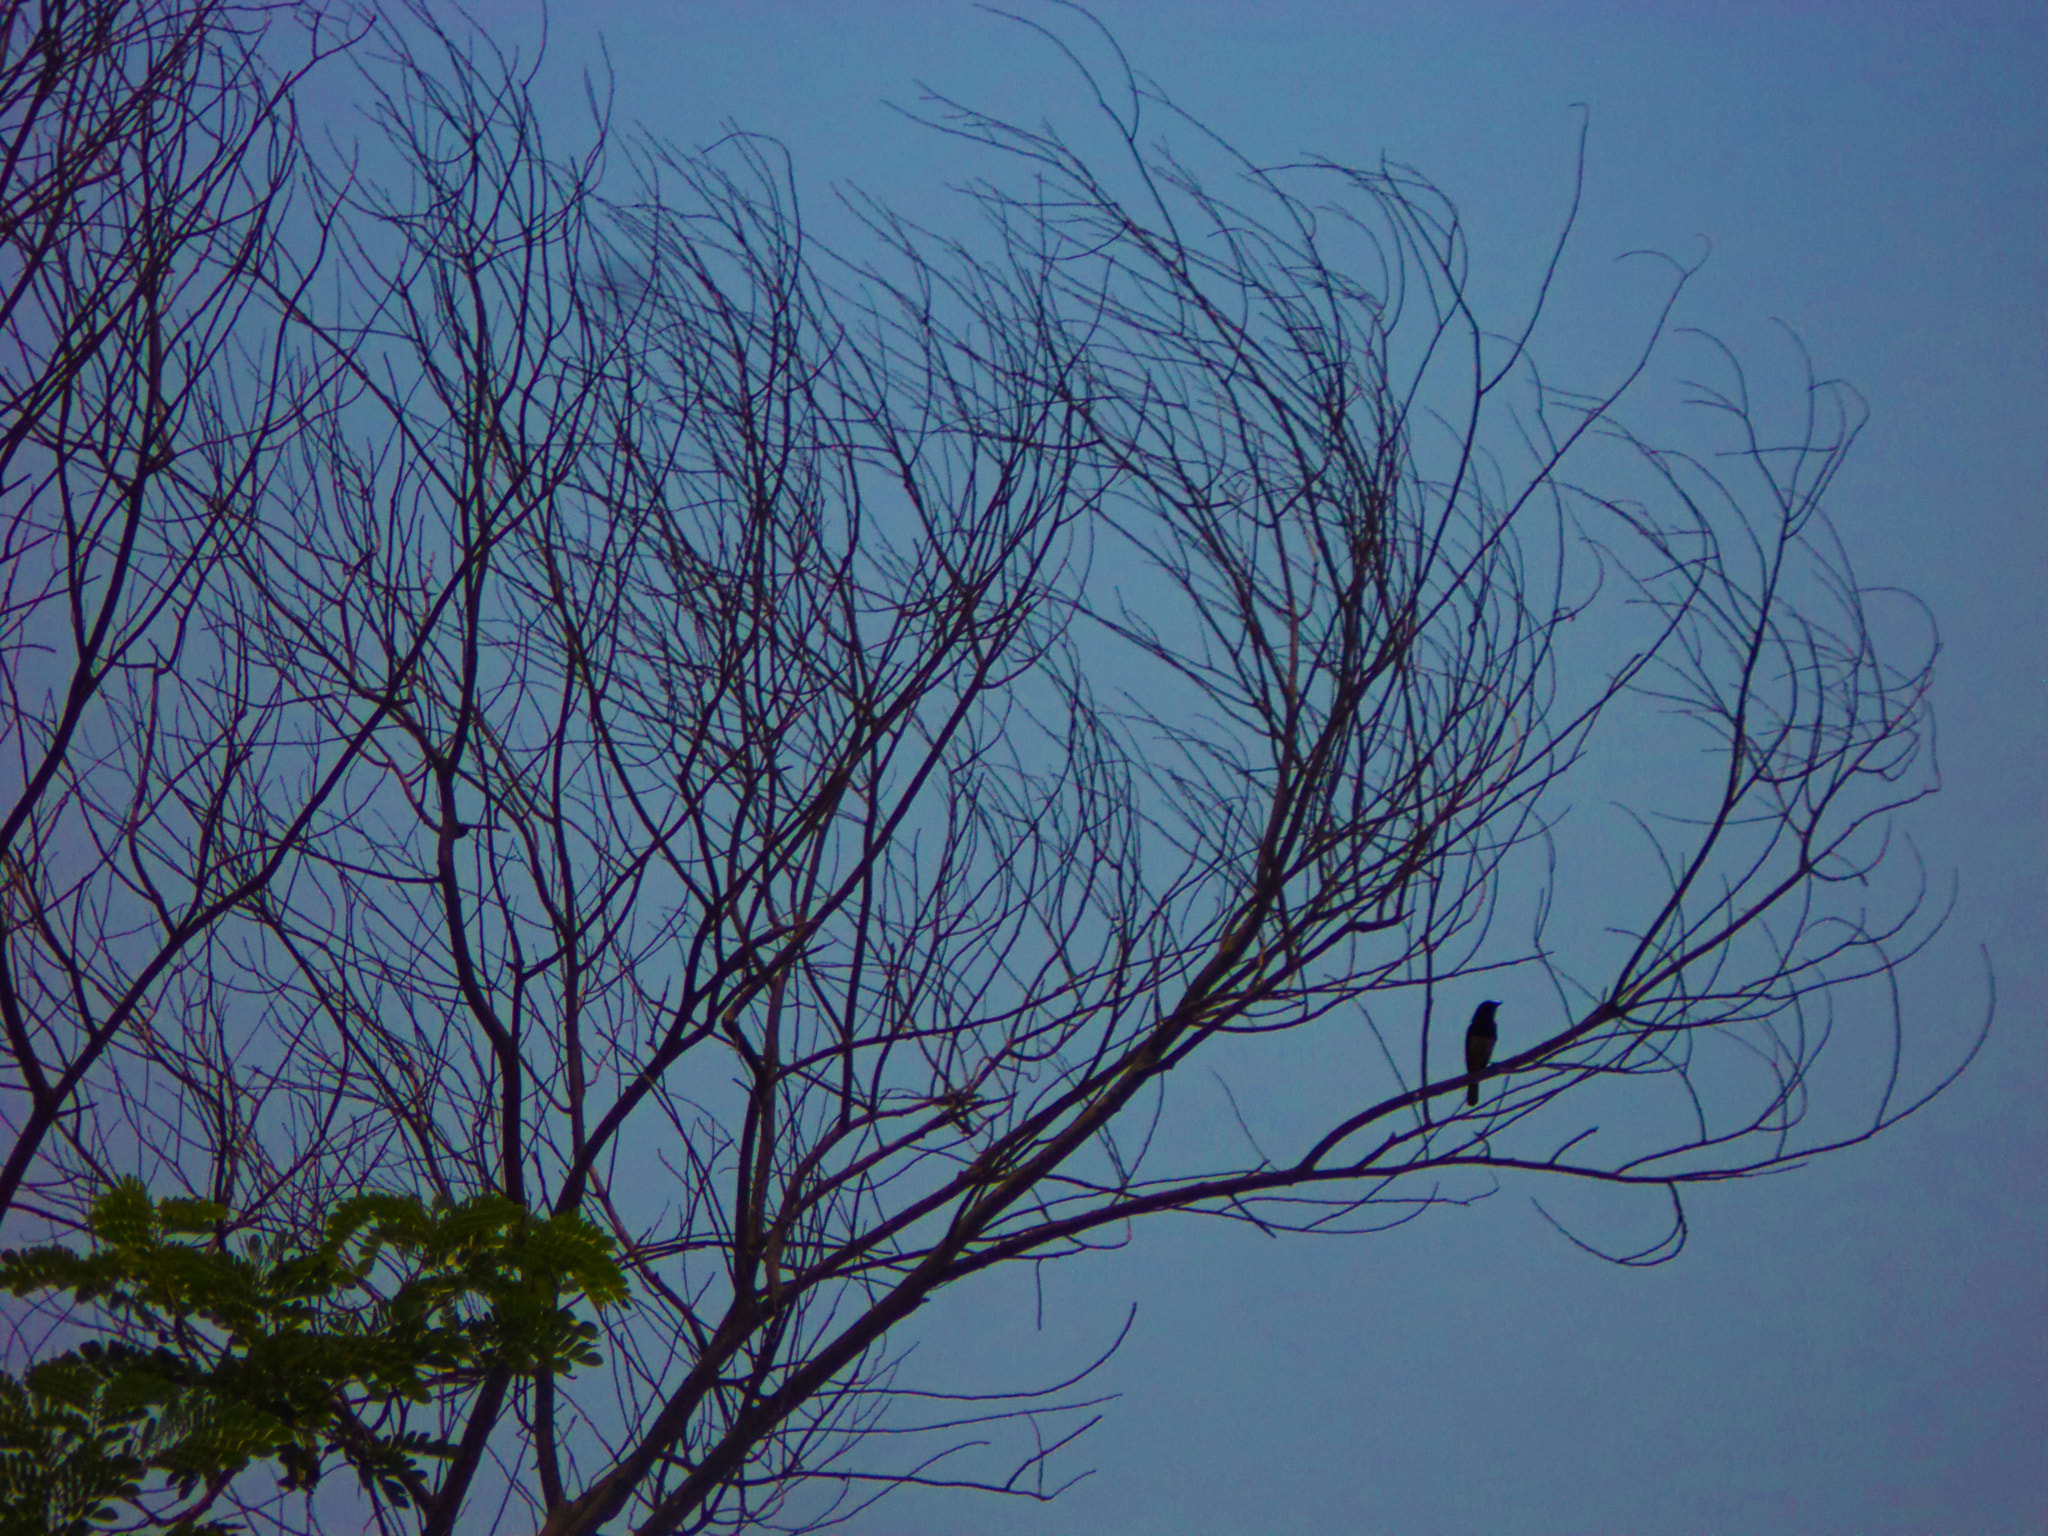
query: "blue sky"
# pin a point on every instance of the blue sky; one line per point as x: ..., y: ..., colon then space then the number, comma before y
x: 1857, y: 1346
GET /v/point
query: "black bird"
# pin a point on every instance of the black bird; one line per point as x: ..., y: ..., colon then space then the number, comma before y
x: 1479, y: 1039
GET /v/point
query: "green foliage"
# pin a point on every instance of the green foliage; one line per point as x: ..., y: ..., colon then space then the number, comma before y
x: 281, y: 1353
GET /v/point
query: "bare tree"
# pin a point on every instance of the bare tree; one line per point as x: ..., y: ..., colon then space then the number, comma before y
x: 795, y: 755
x: 152, y: 780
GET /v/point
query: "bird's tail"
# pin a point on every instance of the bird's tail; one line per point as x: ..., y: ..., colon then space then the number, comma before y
x: 1471, y: 1093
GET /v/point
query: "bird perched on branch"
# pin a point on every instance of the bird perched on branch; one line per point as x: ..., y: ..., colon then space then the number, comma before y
x: 1479, y: 1038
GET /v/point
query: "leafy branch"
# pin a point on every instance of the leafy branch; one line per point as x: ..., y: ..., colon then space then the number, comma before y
x: 280, y: 1353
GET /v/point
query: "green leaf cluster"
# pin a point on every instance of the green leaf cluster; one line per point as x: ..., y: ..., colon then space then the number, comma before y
x: 284, y: 1352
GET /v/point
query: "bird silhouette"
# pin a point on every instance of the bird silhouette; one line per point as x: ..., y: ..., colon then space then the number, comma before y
x: 1479, y: 1039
